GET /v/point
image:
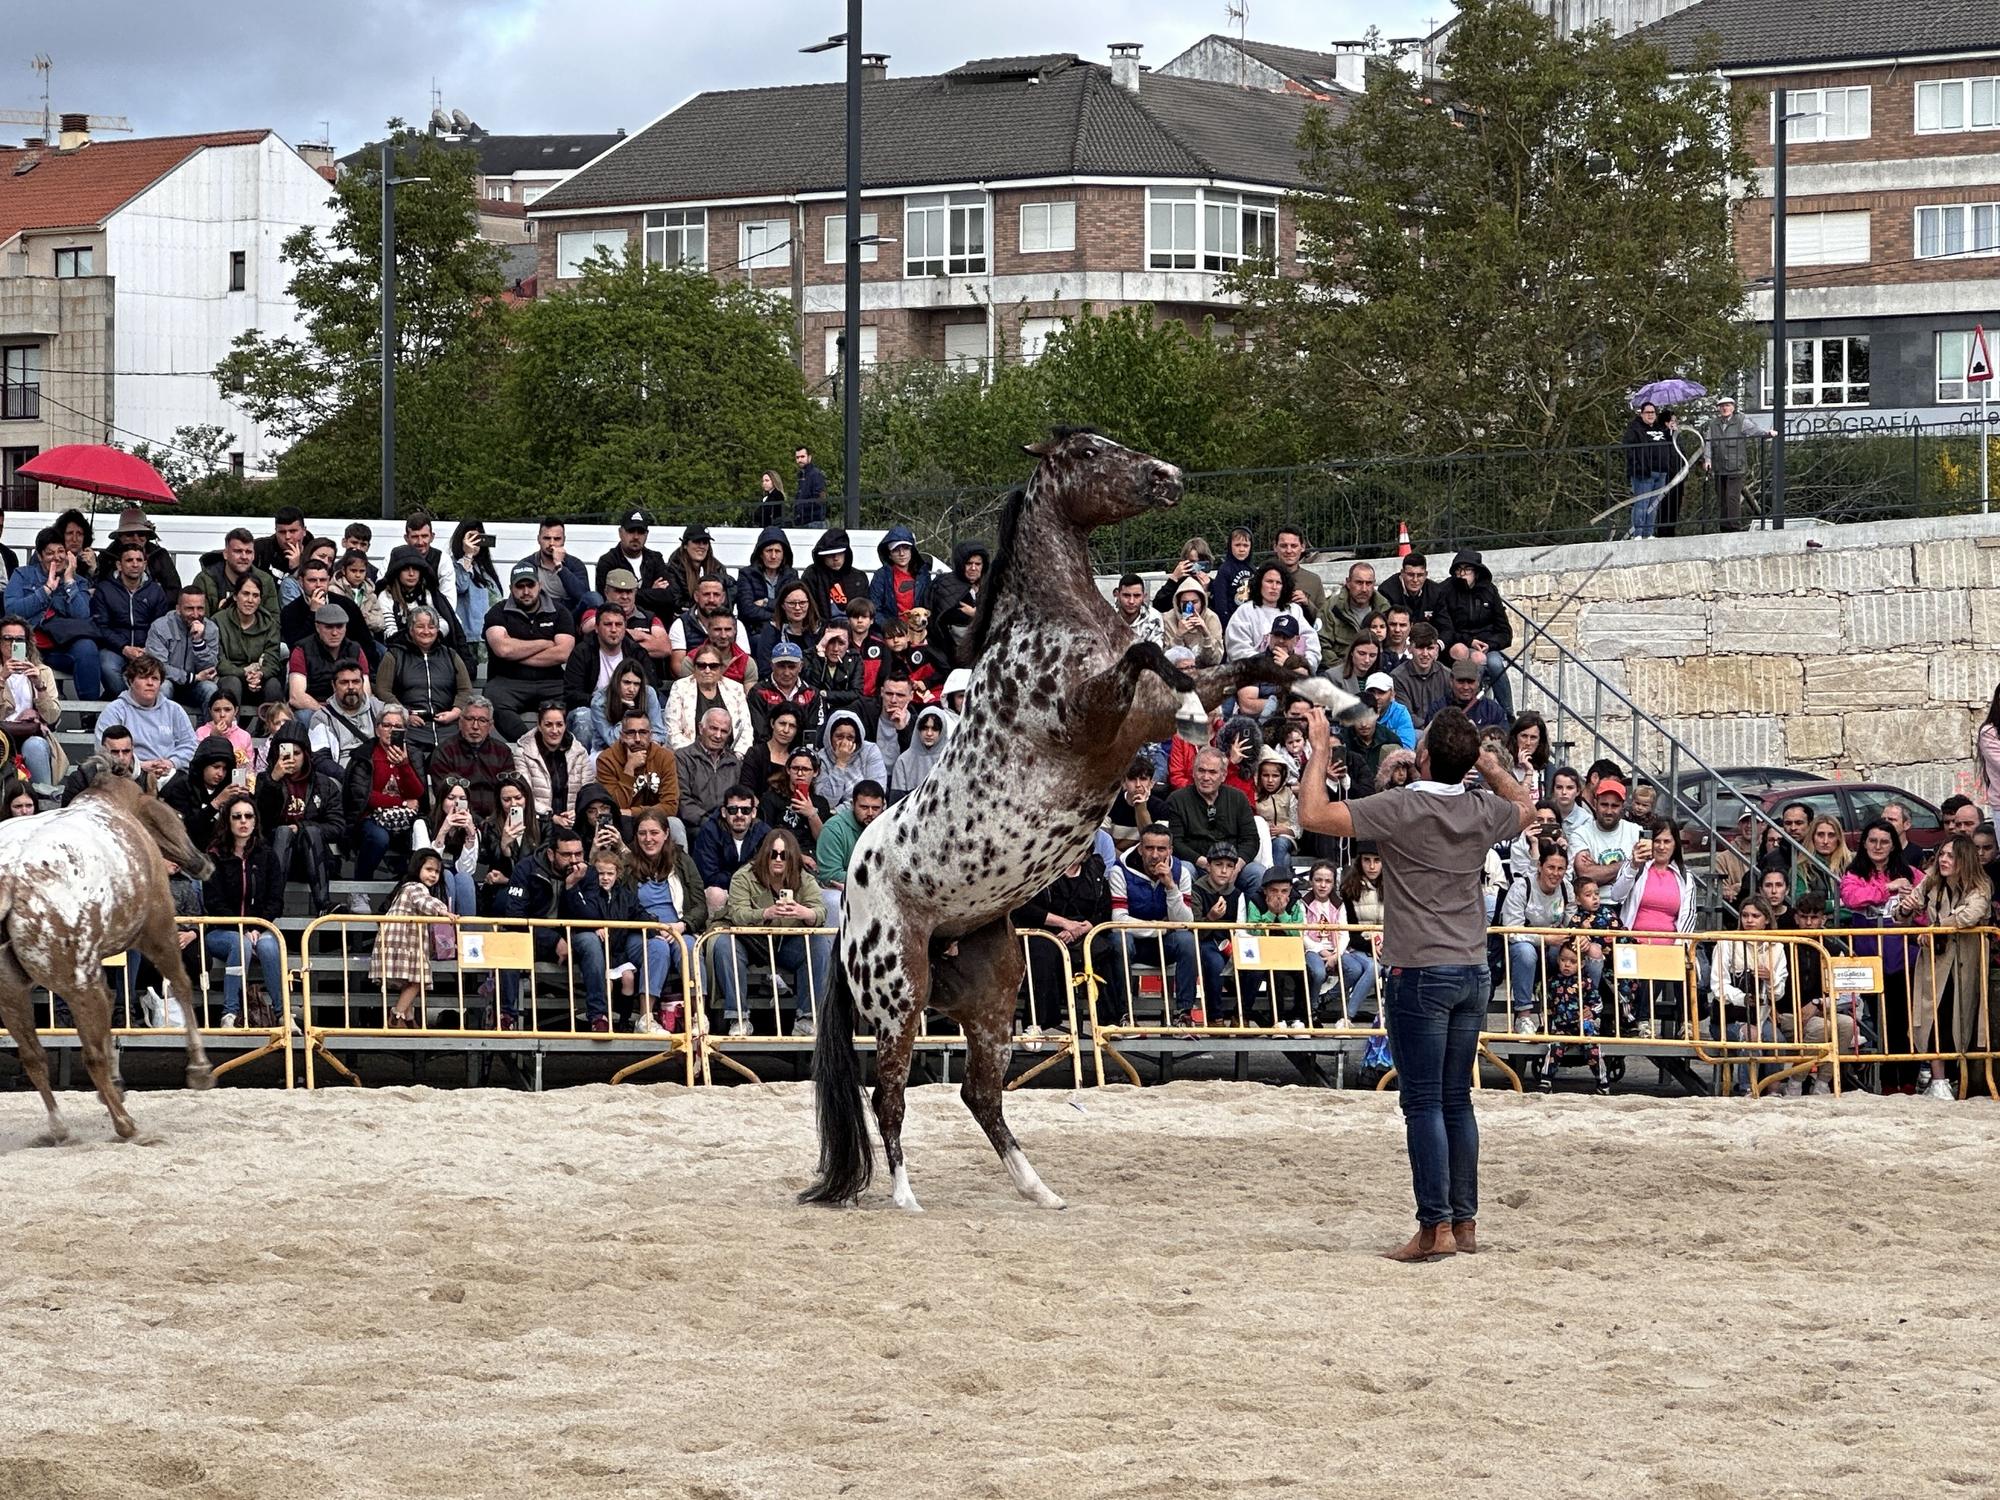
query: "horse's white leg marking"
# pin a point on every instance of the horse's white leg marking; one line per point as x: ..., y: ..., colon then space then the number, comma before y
x: 1028, y: 1182
x: 58, y: 1132
x: 905, y: 1199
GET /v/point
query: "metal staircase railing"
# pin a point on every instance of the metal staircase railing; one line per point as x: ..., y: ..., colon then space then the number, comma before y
x: 1573, y: 676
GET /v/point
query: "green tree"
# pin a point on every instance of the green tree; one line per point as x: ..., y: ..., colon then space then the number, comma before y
x: 196, y: 468
x: 657, y: 385
x: 321, y: 388
x: 1497, y: 263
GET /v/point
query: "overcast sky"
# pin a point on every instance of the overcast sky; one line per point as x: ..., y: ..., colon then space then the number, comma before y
x: 173, y: 66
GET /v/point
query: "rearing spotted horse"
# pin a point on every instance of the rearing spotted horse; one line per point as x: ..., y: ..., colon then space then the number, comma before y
x: 1061, y: 699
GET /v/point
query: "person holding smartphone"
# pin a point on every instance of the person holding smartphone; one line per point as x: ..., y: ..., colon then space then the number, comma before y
x: 29, y: 708
x: 384, y: 794
x: 1191, y: 623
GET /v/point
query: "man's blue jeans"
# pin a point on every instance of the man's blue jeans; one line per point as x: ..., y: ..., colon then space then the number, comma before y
x: 1433, y: 1017
x: 1174, y: 946
x: 1646, y: 492
x: 81, y: 661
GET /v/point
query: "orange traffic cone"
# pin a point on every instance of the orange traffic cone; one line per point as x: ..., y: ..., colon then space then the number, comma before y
x: 1402, y: 539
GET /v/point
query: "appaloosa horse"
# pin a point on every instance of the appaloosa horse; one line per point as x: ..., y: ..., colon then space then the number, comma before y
x: 77, y: 887
x: 1061, y: 698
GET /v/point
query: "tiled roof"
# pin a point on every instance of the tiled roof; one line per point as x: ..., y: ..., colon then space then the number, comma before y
x: 1752, y: 33
x: 504, y: 155
x: 989, y: 125
x: 1297, y: 63
x: 86, y: 186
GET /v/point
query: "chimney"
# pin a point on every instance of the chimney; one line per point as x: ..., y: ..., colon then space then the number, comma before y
x: 1125, y: 68
x: 316, y: 154
x: 874, y: 67
x: 33, y: 142
x: 1350, y: 67
x: 75, y: 132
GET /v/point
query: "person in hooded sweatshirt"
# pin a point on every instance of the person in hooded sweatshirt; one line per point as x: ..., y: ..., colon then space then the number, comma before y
x: 197, y: 797
x: 934, y: 727
x: 832, y: 577
x: 302, y: 809
x: 1228, y: 587
x: 409, y: 584
x: 757, y: 585
x: 903, y: 581
x: 847, y: 757
x: 1479, y: 628
x: 954, y: 600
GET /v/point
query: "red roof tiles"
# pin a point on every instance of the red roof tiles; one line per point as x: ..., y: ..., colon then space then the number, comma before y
x: 85, y: 187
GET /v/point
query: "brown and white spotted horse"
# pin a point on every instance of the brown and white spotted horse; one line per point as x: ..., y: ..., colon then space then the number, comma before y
x: 1061, y: 699
x: 77, y: 887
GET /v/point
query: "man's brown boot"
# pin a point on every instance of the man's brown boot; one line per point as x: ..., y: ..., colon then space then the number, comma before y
x: 1432, y: 1242
x: 1466, y: 1233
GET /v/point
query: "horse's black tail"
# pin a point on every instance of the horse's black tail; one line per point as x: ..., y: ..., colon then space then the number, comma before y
x: 846, y: 1158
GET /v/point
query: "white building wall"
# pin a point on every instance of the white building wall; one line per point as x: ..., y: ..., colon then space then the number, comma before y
x: 169, y: 250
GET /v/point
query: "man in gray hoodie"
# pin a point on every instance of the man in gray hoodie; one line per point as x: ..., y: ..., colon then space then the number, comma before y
x: 186, y: 643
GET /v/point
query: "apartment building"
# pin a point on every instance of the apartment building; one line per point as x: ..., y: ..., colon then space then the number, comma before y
x: 1892, y: 198
x: 1005, y: 194
x: 127, y: 269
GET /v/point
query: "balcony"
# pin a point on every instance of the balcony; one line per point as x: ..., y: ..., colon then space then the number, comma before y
x: 20, y: 403
x: 20, y: 494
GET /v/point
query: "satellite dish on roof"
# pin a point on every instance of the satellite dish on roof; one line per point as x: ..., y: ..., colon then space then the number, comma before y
x: 440, y: 120
x: 462, y: 122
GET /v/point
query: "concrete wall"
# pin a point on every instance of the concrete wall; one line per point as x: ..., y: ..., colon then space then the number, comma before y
x: 1863, y: 652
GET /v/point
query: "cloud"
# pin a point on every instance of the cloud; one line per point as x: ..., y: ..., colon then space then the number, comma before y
x: 555, y: 65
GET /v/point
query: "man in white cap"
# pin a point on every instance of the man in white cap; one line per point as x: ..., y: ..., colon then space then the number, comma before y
x: 1729, y: 438
x: 1393, y: 719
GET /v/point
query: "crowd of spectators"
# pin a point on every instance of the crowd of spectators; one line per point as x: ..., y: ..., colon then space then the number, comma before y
x: 651, y: 739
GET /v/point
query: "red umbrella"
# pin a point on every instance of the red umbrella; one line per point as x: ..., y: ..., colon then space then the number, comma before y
x: 100, y: 470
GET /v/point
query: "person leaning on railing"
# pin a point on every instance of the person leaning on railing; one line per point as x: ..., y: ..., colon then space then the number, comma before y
x: 1874, y: 883
x: 1656, y: 894
x: 1815, y: 1000
x: 774, y: 889
x: 1750, y: 978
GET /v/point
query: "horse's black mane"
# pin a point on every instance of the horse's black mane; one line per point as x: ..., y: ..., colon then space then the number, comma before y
x: 996, y: 573
x: 1003, y: 549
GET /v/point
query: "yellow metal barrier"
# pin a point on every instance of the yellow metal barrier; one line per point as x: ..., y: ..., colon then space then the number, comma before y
x: 1597, y: 992
x: 223, y: 948
x: 1247, y: 980
x: 550, y: 978
x: 1905, y: 989
x: 740, y: 968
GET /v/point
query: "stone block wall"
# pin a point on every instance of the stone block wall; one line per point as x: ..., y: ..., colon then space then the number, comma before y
x: 1860, y: 652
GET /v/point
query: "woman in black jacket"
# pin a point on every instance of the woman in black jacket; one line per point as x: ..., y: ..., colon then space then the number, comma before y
x: 246, y: 882
x: 832, y: 577
x: 197, y: 797
x: 302, y: 811
x: 1476, y: 623
x: 954, y: 599
x: 1650, y: 461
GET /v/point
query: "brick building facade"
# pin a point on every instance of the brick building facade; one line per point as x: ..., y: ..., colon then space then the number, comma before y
x: 1892, y: 197
x: 1006, y: 195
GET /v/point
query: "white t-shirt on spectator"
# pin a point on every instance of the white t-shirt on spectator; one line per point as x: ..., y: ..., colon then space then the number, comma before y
x: 1605, y: 845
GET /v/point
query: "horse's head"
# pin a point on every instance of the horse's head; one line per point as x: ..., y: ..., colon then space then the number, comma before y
x: 169, y: 835
x: 1095, y: 482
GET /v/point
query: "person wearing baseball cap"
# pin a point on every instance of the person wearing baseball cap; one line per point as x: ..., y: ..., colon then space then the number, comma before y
x: 528, y: 641
x: 1467, y: 677
x: 688, y: 565
x: 647, y: 567
x: 1391, y: 714
x: 1600, y: 847
x: 1730, y: 439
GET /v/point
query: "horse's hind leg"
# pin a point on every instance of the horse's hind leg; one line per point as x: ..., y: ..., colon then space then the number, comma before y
x: 161, y: 945
x: 893, y: 1042
x: 90, y: 1004
x: 977, y: 987
x: 17, y: 1009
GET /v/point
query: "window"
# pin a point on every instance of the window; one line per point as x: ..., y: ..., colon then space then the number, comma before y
x: 1959, y: 104
x: 1868, y: 805
x: 497, y: 191
x: 944, y: 234
x: 677, y: 237
x: 965, y: 345
x: 763, y: 244
x: 1824, y: 115
x: 74, y: 261
x: 531, y: 191
x: 836, y: 239
x: 1035, y: 336
x: 239, y: 270
x: 1825, y: 372
x: 833, y: 348
x: 1047, y: 226
x: 21, y: 383
x: 236, y: 464
x: 1954, y: 352
x: 1826, y: 239
x: 1190, y: 227
x: 579, y: 245
x: 1958, y: 229
x: 1170, y: 229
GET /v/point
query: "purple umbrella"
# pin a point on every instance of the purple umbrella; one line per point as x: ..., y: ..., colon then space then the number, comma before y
x: 1667, y: 393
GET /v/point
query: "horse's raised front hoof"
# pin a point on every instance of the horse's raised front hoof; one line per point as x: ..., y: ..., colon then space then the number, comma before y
x: 200, y: 1076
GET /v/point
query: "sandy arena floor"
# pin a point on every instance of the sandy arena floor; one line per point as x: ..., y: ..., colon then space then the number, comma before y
x: 608, y: 1292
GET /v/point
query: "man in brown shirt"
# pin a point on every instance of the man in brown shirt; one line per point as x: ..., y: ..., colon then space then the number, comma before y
x: 637, y: 772
x: 1433, y: 836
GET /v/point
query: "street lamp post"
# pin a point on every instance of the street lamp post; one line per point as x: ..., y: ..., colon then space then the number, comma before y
x: 1781, y: 358
x: 389, y: 185
x: 850, y: 341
